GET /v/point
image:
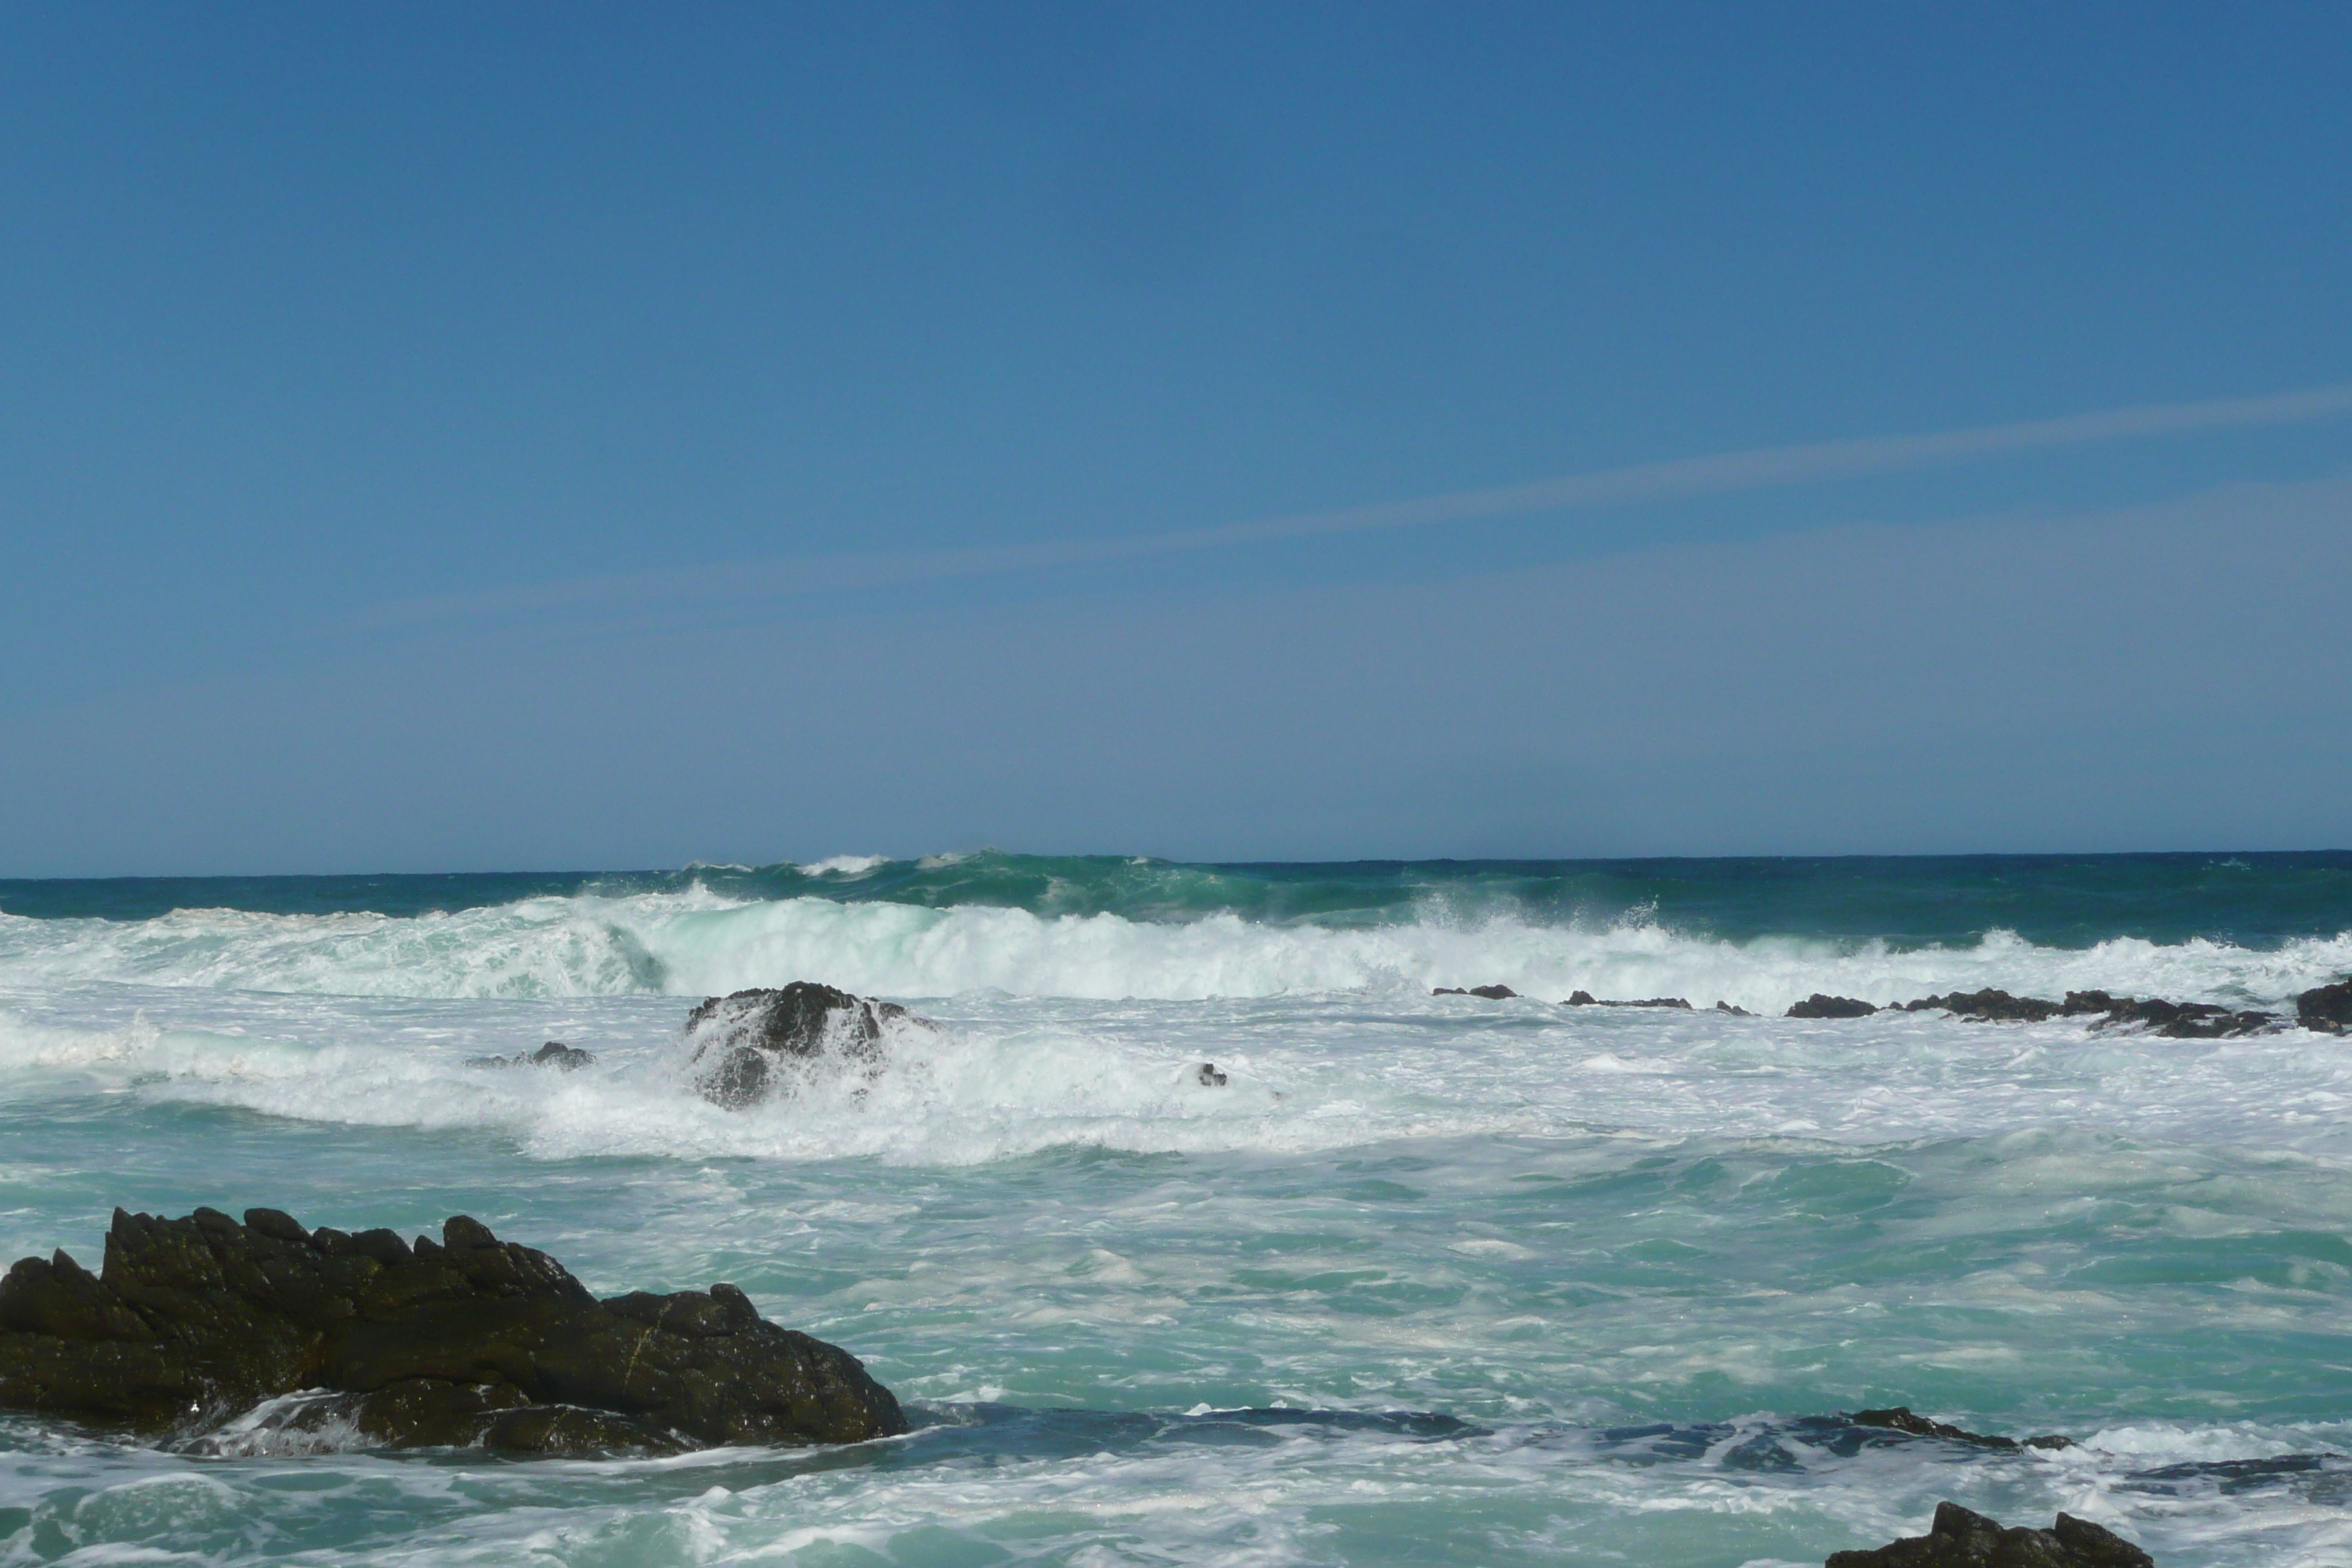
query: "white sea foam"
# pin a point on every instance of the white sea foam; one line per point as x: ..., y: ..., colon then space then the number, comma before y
x: 843, y: 865
x: 697, y: 942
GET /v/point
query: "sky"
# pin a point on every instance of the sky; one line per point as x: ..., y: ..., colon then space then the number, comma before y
x: 457, y: 438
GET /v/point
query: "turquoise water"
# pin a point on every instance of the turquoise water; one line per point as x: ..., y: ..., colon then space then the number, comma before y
x: 1432, y: 1280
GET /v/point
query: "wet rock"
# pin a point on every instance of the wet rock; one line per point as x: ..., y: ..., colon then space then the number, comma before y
x: 1821, y: 1005
x: 1586, y: 999
x: 1491, y: 992
x: 2173, y: 1020
x: 1900, y: 1418
x: 554, y: 1053
x: 2185, y: 1020
x: 2326, y: 1008
x: 1735, y: 1012
x: 1960, y: 1537
x: 1988, y: 1005
x: 744, y: 1039
x: 1207, y: 1075
x: 466, y: 1341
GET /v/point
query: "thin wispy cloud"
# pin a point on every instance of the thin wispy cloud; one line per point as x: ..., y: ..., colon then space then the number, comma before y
x: 1721, y: 473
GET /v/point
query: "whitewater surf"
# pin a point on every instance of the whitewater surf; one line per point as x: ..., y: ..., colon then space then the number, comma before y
x: 1426, y: 1276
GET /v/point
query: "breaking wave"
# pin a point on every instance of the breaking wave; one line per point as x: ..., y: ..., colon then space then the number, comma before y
x: 697, y: 942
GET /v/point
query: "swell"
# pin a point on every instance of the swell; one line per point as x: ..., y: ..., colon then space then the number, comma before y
x: 2251, y: 899
x: 699, y: 942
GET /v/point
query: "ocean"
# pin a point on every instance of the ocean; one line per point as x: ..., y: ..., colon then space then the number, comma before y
x: 1428, y: 1279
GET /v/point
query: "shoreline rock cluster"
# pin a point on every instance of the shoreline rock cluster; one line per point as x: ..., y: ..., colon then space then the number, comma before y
x: 2323, y: 1009
x: 470, y: 1341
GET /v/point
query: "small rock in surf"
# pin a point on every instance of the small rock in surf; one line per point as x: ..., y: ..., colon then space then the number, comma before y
x: 554, y: 1053
x: 744, y: 1040
x: 1822, y: 1005
x: 1900, y: 1418
x: 1960, y: 1537
x: 1491, y: 992
x: 1586, y: 999
x: 1208, y: 1077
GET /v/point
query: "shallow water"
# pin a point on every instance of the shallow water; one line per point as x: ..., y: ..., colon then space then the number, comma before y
x: 1430, y: 1279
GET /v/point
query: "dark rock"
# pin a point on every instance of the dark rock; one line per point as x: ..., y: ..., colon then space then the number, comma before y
x: 1586, y: 999
x: 554, y: 1053
x: 1735, y: 1012
x: 1491, y: 992
x: 2184, y: 1020
x: 1901, y: 1418
x: 1962, y: 1539
x: 471, y: 1341
x: 2174, y: 1020
x: 2326, y: 1008
x: 1821, y: 1005
x: 1988, y: 1005
x: 744, y: 1039
x: 1207, y: 1075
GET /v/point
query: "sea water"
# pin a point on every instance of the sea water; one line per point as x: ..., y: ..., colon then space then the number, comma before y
x: 1427, y: 1280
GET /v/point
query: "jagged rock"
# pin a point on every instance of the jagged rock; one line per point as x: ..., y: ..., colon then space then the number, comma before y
x: 554, y: 1053
x: 1960, y: 1537
x: 1900, y: 1418
x: 2326, y: 1008
x: 2180, y: 1020
x: 2174, y: 1020
x: 1822, y: 1005
x: 1491, y: 992
x: 1988, y: 1005
x: 1586, y: 999
x: 1735, y: 1012
x: 468, y: 1341
x: 1208, y: 1077
x: 743, y: 1039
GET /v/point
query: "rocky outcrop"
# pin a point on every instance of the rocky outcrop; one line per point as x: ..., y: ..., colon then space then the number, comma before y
x: 1900, y: 1418
x: 1491, y: 992
x: 471, y: 1342
x: 554, y: 1053
x: 754, y: 1045
x: 1821, y: 1005
x: 1988, y: 1006
x: 1586, y: 999
x: 2326, y: 1008
x: 2173, y: 1020
x: 1962, y: 1539
x: 1735, y: 1012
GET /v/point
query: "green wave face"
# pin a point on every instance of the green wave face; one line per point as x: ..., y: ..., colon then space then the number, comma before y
x: 2254, y: 900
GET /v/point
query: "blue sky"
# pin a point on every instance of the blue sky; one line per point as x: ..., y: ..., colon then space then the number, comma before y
x: 447, y: 437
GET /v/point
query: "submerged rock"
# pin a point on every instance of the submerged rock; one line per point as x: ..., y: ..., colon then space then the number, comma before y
x: 471, y: 1342
x: 1208, y: 1076
x: 1586, y: 999
x: 1822, y: 1005
x: 554, y: 1053
x: 1900, y: 1418
x: 2326, y: 1008
x: 744, y: 1038
x: 1491, y: 992
x: 1960, y: 1537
